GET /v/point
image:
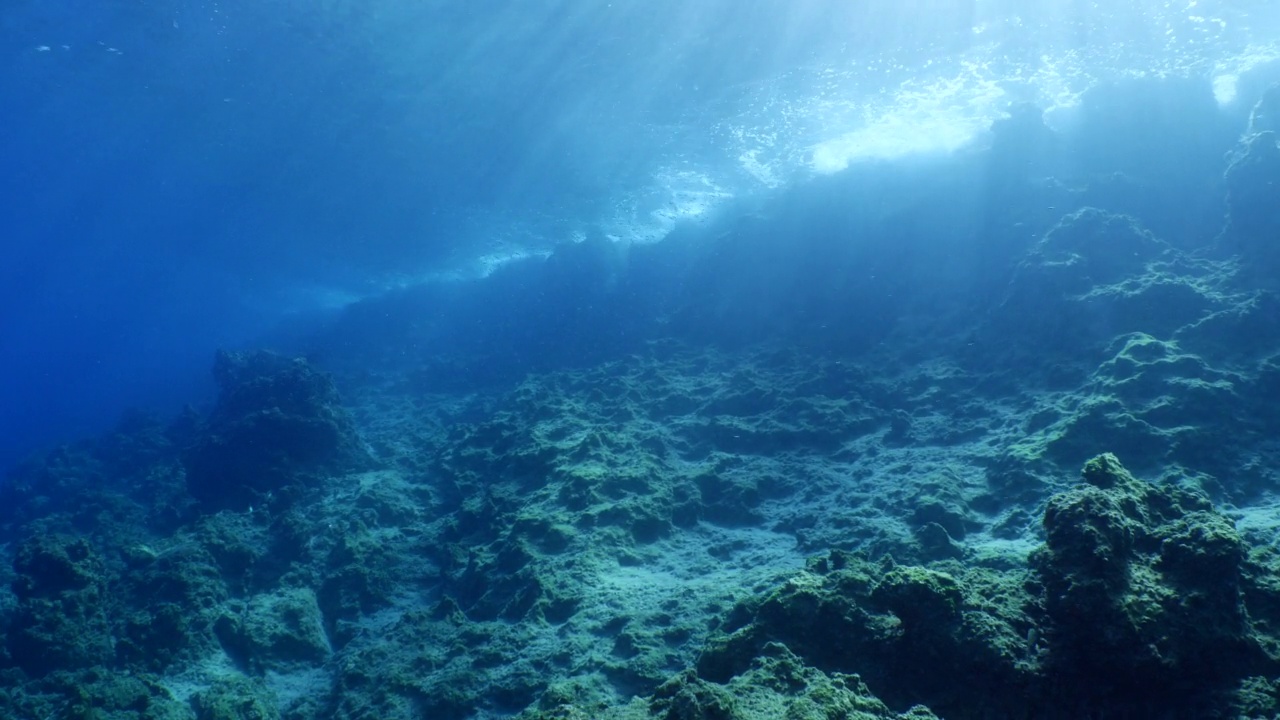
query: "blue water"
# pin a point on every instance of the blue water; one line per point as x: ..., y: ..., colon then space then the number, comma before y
x: 177, y: 177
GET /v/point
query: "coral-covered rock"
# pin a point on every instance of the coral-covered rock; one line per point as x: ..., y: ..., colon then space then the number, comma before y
x: 277, y: 422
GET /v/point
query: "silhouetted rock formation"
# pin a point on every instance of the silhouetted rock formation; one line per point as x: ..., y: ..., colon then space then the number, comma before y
x: 1253, y: 201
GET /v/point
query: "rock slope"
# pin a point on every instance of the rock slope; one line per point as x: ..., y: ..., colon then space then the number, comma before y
x: 1036, y: 483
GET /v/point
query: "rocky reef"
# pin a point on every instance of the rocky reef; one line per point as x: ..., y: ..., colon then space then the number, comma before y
x: 1137, y: 587
x: 726, y: 477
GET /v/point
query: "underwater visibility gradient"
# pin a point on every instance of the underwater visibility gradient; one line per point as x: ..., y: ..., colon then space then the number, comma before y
x: 622, y: 360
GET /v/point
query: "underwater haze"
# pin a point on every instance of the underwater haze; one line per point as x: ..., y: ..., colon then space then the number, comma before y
x: 621, y: 359
x: 179, y: 176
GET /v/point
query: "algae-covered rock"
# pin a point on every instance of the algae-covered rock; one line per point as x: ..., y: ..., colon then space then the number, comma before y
x: 277, y: 631
x: 359, y: 579
x: 778, y: 684
x: 915, y: 635
x: 277, y: 421
x: 173, y: 593
x: 924, y: 600
x: 61, y: 621
x: 1253, y: 199
x: 1048, y: 299
x: 86, y: 480
x: 1092, y: 279
x: 94, y: 694
x: 1135, y: 605
x: 1142, y: 589
x: 235, y: 698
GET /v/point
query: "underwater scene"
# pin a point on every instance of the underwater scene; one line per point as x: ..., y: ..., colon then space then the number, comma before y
x: 640, y: 360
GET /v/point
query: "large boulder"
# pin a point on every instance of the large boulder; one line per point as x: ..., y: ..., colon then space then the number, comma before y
x: 278, y: 423
x: 1143, y: 594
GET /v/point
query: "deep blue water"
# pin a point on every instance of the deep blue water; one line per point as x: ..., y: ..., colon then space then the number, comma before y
x: 181, y: 176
